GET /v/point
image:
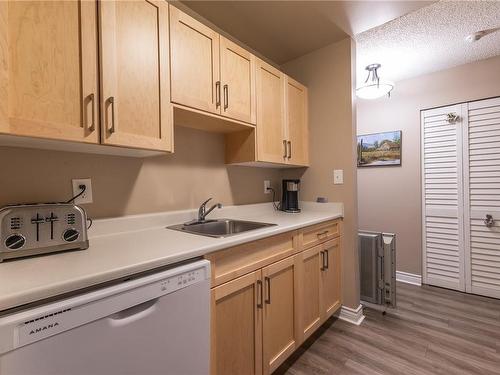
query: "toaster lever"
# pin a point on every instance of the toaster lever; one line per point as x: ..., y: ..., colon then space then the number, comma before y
x: 38, y: 220
x: 51, y: 219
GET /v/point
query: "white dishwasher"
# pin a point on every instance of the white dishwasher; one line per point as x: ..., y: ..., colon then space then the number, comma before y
x: 150, y: 325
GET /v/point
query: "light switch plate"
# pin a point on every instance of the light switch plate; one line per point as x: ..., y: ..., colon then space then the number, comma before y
x: 86, y: 197
x: 338, y: 176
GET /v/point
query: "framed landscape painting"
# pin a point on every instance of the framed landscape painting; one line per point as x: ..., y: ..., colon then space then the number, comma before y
x: 379, y: 149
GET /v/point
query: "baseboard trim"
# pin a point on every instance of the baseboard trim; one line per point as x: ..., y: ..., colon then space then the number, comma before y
x: 409, y: 278
x: 353, y: 316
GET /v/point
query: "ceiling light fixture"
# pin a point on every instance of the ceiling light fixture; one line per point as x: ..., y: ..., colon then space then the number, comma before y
x: 374, y: 87
x: 474, y: 37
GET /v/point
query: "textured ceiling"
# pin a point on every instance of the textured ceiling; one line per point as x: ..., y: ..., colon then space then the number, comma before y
x: 430, y: 39
x: 285, y: 30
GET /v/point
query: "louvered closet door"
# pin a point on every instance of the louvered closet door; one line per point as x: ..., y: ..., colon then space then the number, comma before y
x: 443, y: 255
x: 482, y: 189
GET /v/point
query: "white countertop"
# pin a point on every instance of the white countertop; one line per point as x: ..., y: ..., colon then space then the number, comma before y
x: 124, y: 246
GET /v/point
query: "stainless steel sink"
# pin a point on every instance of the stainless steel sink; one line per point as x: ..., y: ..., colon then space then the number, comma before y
x: 220, y: 228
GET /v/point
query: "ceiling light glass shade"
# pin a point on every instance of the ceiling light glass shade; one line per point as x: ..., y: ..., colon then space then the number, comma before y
x: 374, y: 90
x: 374, y: 87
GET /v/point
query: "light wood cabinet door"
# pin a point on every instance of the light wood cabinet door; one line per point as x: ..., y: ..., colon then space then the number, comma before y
x: 297, y: 123
x: 237, y: 326
x: 280, y: 323
x: 136, y: 109
x: 270, y: 113
x: 237, y: 67
x: 330, y: 278
x: 48, y: 69
x: 310, y: 295
x: 194, y: 59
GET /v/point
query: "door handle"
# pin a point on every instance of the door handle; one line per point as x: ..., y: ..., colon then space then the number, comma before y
x: 226, y: 97
x: 489, y: 221
x: 284, y: 147
x: 217, y: 94
x: 111, y: 101
x: 268, y: 284
x: 289, y: 150
x: 322, y: 260
x: 327, y: 265
x: 259, y: 292
x: 92, y: 103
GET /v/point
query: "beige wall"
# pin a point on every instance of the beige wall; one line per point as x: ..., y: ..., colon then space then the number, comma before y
x: 123, y: 185
x: 327, y: 74
x: 389, y: 198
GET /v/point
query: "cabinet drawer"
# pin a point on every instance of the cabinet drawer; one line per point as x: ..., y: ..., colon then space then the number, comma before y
x: 234, y: 262
x: 319, y: 233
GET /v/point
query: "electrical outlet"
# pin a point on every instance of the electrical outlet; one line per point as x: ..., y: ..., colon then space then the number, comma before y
x: 86, y: 197
x: 338, y: 176
x: 267, y: 185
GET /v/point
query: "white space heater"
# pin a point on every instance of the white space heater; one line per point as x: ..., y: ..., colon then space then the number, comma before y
x: 377, y: 262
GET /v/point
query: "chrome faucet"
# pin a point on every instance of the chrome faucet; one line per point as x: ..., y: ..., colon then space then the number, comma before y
x: 203, y: 212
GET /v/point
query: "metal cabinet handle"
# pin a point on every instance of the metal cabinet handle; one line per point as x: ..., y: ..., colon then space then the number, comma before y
x: 325, y: 233
x: 327, y: 263
x: 217, y: 94
x: 268, y: 283
x: 322, y: 260
x: 284, y: 147
x: 489, y: 221
x: 111, y: 101
x: 259, y: 291
x: 289, y: 150
x: 226, y: 97
x: 92, y: 103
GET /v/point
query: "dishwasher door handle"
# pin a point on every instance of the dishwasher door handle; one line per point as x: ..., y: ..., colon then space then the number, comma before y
x: 133, y: 314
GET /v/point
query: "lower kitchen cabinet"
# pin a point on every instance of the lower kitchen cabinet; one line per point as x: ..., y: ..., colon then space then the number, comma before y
x: 330, y: 278
x: 280, y: 335
x: 260, y: 318
x: 254, y: 321
x: 237, y: 326
x: 310, y: 298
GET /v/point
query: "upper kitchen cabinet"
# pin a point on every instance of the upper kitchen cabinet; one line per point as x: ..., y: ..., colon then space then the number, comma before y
x: 281, y: 134
x: 271, y: 144
x: 135, y: 107
x: 194, y: 50
x: 209, y: 72
x: 49, y: 70
x: 238, y: 81
x: 297, y: 134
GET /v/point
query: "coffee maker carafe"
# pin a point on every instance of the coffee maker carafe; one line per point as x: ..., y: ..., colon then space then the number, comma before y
x: 290, y: 196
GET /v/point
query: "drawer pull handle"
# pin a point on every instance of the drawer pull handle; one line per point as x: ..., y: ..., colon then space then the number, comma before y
x: 325, y: 233
x: 259, y: 292
x: 268, y: 283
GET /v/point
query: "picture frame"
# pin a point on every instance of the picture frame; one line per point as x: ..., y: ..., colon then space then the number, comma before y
x: 379, y: 149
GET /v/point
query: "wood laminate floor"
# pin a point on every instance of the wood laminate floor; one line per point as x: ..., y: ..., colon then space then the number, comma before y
x: 432, y: 331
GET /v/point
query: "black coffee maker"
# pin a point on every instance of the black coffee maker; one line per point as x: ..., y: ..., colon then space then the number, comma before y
x: 290, y: 196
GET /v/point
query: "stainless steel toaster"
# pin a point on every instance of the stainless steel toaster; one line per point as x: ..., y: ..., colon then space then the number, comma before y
x: 32, y: 229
